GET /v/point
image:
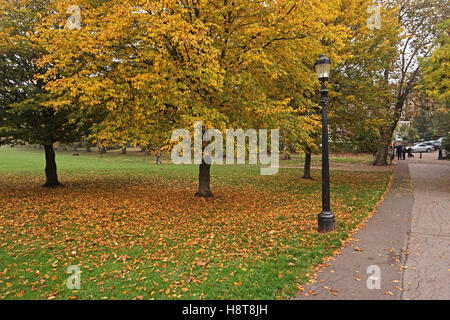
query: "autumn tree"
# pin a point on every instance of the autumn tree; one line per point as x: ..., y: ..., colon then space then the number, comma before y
x: 418, y: 19
x: 24, y: 116
x: 435, y: 80
x: 424, y: 125
x: 407, y: 133
x: 230, y: 64
x: 436, y: 68
x: 361, y: 93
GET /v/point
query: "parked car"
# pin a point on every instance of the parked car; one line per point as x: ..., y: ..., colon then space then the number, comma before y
x: 437, y: 144
x: 422, y: 147
x: 431, y: 144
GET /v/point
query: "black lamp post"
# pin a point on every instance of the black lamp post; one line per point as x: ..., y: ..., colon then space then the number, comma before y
x: 326, y: 220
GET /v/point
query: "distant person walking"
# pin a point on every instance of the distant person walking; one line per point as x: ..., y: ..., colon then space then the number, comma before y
x: 158, y: 156
x: 404, y: 150
x: 410, y: 153
x: 399, y: 149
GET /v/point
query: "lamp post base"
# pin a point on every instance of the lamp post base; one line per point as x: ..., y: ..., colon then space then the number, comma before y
x: 326, y: 222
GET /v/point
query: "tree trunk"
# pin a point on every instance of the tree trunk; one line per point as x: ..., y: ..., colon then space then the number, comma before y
x: 381, y: 156
x: 204, y: 181
x: 50, y: 167
x: 382, y: 152
x: 307, y: 170
x: 388, y: 132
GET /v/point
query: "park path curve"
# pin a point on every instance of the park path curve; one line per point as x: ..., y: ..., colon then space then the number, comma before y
x: 408, y: 239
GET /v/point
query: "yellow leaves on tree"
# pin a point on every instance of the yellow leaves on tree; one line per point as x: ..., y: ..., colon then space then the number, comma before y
x: 159, y: 65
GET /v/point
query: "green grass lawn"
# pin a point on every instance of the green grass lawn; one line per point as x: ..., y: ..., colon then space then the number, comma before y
x: 137, y: 232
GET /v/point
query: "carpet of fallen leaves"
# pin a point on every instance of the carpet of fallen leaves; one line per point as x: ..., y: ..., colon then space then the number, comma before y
x: 148, y: 237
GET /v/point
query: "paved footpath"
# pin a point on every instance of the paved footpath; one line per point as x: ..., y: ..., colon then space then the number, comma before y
x: 407, y: 241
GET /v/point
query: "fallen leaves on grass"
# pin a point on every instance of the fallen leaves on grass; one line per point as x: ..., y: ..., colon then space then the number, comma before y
x: 100, y: 221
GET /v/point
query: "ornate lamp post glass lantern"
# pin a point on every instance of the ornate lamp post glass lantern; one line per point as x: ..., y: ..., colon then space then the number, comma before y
x: 326, y: 222
x: 323, y: 66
